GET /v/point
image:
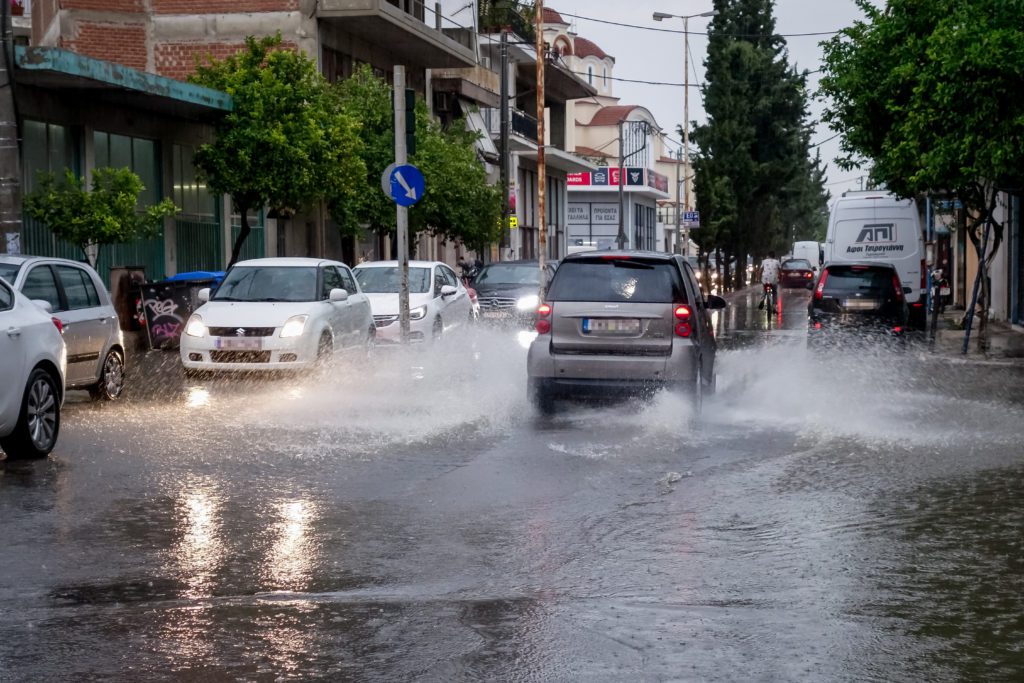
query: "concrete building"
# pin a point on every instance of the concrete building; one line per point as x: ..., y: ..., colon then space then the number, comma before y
x: 623, y: 141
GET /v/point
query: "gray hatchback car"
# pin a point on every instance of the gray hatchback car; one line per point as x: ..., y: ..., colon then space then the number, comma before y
x: 622, y: 323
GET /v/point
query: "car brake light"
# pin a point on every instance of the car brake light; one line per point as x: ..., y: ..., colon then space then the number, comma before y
x: 897, y: 329
x: 898, y: 286
x: 682, y: 312
x: 543, y: 325
x: 58, y: 324
x: 819, y: 291
x: 615, y: 257
x: 683, y: 330
x: 808, y: 275
x: 817, y: 326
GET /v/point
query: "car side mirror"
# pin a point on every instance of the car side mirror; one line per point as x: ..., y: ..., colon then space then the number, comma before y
x: 338, y: 295
x: 715, y: 302
x: 204, y: 295
x: 448, y: 290
x: 43, y: 304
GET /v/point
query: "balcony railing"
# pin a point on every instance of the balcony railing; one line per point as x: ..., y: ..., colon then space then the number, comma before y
x: 522, y: 124
x: 507, y: 15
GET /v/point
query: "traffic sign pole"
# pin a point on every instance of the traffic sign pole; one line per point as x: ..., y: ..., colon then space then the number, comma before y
x: 402, y: 212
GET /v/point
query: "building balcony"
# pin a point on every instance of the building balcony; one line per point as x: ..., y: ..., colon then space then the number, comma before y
x: 521, y: 124
x: 411, y: 31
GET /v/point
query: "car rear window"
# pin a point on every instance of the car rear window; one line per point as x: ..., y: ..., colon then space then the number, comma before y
x: 617, y: 280
x: 858, y: 279
x: 796, y: 263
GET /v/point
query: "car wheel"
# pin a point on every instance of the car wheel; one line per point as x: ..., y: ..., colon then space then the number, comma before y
x: 438, y: 329
x: 111, y: 382
x: 698, y: 392
x: 540, y: 398
x: 371, y: 339
x: 35, y: 433
x: 324, y: 349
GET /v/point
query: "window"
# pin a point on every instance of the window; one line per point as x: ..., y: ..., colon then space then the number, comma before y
x: 188, y: 193
x: 78, y: 287
x: 332, y: 280
x: 6, y: 298
x: 137, y: 154
x: 438, y: 281
x: 449, y: 276
x: 347, y: 281
x: 40, y: 285
x: 590, y: 75
x: 604, y: 76
x: 619, y: 280
x: 47, y: 147
x: 387, y: 280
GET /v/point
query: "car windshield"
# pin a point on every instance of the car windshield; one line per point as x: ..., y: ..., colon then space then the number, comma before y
x: 797, y: 264
x: 387, y: 280
x: 9, y: 271
x: 859, y: 279
x: 268, y: 283
x: 619, y: 279
x: 509, y: 274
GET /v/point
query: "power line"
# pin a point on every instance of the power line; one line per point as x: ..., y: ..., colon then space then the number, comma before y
x: 819, y: 144
x: 634, y: 80
x: 698, y: 33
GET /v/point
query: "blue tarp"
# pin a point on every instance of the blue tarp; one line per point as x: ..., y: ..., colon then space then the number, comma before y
x: 215, y: 275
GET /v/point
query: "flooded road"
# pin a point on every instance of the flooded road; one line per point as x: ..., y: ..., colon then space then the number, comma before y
x: 846, y: 516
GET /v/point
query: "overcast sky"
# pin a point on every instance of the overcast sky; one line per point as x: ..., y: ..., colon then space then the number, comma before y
x: 656, y: 56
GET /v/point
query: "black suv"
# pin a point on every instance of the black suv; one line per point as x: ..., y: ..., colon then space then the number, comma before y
x: 508, y: 291
x: 856, y: 301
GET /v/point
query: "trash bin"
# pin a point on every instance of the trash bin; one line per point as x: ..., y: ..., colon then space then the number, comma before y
x: 167, y: 305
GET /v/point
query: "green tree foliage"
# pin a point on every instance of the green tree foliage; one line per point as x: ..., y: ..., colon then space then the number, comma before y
x: 458, y: 202
x: 106, y: 213
x: 929, y: 93
x: 756, y: 184
x: 287, y: 144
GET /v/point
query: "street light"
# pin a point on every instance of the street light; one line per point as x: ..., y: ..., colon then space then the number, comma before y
x: 658, y: 16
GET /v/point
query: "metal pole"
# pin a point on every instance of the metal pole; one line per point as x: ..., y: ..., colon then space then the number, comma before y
x: 506, y: 238
x: 402, y: 215
x: 621, y: 238
x: 10, y: 166
x: 542, y: 179
x: 686, y: 129
x: 679, y: 232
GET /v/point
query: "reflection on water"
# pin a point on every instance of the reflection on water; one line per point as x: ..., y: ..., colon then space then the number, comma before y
x: 200, y: 551
x: 198, y: 397
x: 294, y: 551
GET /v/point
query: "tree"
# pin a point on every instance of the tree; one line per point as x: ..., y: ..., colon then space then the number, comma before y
x: 286, y: 144
x: 928, y: 92
x: 755, y: 180
x: 89, y: 219
x: 458, y: 202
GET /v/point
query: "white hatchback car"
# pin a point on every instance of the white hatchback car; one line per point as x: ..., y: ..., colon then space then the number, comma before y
x: 277, y: 314
x: 33, y: 360
x: 76, y: 296
x: 438, y: 300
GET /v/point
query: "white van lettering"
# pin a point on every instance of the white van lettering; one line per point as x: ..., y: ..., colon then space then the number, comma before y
x: 877, y: 232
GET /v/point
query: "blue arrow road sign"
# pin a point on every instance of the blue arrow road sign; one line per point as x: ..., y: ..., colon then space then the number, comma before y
x: 404, y: 184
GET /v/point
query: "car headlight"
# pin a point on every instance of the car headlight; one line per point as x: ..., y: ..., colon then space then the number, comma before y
x: 195, y: 327
x: 418, y: 313
x: 528, y: 302
x: 294, y: 326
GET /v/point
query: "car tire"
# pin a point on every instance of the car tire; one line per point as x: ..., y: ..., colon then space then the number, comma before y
x: 111, y: 382
x: 38, y: 426
x: 438, y: 329
x: 324, y: 349
x: 540, y: 398
x: 697, y: 399
x: 371, y: 339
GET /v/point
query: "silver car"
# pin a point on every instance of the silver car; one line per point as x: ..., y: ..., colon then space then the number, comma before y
x: 622, y: 323
x: 74, y: 294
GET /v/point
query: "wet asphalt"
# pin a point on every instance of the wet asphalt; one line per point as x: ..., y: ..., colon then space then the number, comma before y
x: 848, y: 515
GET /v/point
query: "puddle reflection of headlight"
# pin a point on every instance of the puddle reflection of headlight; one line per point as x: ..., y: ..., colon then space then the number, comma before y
x: 198, y: 397
x: 526, y: 337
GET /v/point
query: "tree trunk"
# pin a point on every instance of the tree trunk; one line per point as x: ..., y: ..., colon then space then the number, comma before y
x: 242, y: 235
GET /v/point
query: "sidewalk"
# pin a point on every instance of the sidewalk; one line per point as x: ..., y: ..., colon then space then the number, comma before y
x: 1005, y: 343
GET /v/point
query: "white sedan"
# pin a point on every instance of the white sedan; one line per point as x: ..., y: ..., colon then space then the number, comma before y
x: 33, y: 363
x: 438, y: 301
x: 277, y: 314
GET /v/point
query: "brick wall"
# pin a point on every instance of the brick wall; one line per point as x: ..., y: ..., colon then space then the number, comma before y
x: 219, y: 6
x: 104, y: 5
x: 43, y: 14
x: 121, y: 43
x: 178, y: 60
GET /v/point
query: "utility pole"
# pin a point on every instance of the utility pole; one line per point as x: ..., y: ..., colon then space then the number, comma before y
x: 503, y: 118
x: 686, y: 129
x: 402, y: 215
x: 542, y: 240
x: 10, y: 167
x: 621, y: 239
x: 679, y: 232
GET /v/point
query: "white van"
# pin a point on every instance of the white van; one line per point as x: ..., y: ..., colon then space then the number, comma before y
x: 808, y: 251
x: 878, y: 226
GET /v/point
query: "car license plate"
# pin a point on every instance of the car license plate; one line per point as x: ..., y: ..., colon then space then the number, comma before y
x: 611, y: 326
x: 495, y: 314
x: 239, y: 344
x: 859, y: 304
x: 944, y: 291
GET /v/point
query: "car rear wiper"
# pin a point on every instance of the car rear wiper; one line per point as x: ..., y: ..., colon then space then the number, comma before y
x: 632, y: 264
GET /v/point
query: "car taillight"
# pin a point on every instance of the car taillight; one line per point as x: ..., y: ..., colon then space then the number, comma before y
x: 819, y: 291
x: 683, y: 313
x: 808, y: 275
x: 898, y: 286
x: 897, y: 330
x: 58, y: 324
x: 817, y: 326
x: 543, y: 325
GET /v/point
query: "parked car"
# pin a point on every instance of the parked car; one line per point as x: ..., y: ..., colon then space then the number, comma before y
x: 438, y: 301
x: 74, y: 294
x: 33, y: 362
x: 277, y: 314
x: 622, y: 323
x: 796, y: 272
x: 856, y: 302
x: 509, y: 291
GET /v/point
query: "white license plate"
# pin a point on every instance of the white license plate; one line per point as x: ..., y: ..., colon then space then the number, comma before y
x: 860, y: 304
x: 611, y: 326
x: 944, y: 291
x: 495, y: 314
x: 240, y: 344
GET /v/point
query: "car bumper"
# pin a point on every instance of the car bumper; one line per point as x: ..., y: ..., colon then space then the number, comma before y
x: 391, y: 334
x: 273, y: 354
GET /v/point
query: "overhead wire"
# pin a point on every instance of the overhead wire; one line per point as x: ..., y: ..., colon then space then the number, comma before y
x: 701, y: 33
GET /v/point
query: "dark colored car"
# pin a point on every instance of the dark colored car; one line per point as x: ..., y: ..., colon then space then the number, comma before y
x: 796, y: 272
x: 509, y: 291
x: 855, y: 301
x: 622, y: 323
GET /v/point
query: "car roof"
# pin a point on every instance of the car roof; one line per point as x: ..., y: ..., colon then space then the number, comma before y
x: 22, y: 259
x: 861, y: 264
x: 394, y: 264
x: 286, y: 261
x: 613, y: 253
